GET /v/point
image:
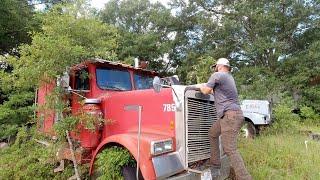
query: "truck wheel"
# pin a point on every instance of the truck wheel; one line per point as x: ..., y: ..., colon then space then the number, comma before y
x: 129, y: 173
x: 248, y: 130
x: 114, y: 163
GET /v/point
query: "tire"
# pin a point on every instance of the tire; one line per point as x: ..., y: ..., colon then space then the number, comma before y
x: 120, y: 171
x: 248, y: 130
x: 129, y: 173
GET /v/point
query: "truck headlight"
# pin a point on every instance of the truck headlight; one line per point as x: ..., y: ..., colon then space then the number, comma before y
x: 161, y: 147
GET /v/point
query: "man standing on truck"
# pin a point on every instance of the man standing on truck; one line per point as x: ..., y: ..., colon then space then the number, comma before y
x: 230, y: 118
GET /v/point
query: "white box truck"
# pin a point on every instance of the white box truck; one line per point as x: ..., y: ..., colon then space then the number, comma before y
x: 257, y: 113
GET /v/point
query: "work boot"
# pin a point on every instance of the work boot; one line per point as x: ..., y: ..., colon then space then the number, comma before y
x: 215, y: 169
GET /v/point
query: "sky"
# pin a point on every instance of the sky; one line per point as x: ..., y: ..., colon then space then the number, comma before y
x: 99, y: 4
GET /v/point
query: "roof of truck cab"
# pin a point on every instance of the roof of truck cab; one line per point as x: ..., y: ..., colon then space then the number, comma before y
x: 115, y: 63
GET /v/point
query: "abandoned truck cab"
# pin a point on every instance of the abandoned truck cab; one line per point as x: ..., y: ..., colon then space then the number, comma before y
x: 166, y: 131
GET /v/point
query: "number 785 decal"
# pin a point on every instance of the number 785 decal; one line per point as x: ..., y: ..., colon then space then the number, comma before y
x: 169, y: 107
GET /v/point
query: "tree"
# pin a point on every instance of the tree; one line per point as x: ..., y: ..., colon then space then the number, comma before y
x: 260, y: 32
x: 144, y: 28
x: 273, y: 46
x: 69, y: 35
x: 194, y: 28
x: 17, y: 20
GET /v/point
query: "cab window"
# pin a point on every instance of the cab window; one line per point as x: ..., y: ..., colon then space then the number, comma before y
x: 142, y: 81
x: 82, y: 80
x: 113, y: 79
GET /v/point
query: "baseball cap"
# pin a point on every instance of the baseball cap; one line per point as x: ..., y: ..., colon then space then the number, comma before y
x: 222, y: 61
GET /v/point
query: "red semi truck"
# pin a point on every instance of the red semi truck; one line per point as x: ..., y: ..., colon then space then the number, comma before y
x: 165, y: 130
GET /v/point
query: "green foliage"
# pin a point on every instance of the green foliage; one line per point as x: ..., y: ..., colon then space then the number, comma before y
x: 309, y: 115
x: 56, y: 100
x: 110, y: 162
x: 27, y: 159
x: 301, y: 75
x: 22, y: 137
x: 200, y: 71
x: 7, y: 131
x: 284, y: 121
x: 281, y: 156
x: 68, y: 37
x: 72, y: 122
x: 194, y: 30
x: 259, y: 32
x: 17, y: 20
x: 258, y: 83
x: 18, y: 109
x: 311, y: 97
x: 68, y: 123
x: 144, y: 29
x: 273, y: 47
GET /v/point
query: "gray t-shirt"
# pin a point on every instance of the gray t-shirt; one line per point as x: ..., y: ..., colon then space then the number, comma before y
x: 225, y: 92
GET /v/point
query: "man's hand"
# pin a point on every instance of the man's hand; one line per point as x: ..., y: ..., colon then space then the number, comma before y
x: 205, y: 89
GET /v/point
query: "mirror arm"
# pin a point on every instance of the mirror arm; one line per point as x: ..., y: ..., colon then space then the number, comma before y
x: 163, y: 85
x: 175, y: 94
x: 74, y: 92
x: 78, y: 94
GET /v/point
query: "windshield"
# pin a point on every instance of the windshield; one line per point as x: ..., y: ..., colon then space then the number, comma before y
x: 143, y: 81
x: 113, y: 79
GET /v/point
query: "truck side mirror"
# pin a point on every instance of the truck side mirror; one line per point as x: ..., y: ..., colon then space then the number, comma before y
x: 157, y: 84
x: 64, y: 80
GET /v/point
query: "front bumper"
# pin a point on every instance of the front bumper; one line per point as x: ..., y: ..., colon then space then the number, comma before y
x: 189, y: 175
x: 167, y: 165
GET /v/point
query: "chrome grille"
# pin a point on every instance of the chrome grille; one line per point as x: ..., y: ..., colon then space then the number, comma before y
x: 200, y: 116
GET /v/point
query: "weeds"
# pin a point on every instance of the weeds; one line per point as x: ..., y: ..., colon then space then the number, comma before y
x: 283, y: 151
x: 27, y: 159
x: 281, y: 157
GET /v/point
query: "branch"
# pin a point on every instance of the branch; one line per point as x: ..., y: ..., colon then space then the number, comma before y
x: 213, y: 10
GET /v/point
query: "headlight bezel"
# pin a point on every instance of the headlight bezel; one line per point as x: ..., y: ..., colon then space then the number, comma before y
x: 161, y: 146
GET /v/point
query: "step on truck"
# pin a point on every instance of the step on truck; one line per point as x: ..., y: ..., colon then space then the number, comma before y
x: 163, y: 125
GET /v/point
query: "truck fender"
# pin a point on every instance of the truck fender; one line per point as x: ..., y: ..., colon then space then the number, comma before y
x: 129, y: 141
x: 255, y: 118
x: 248, y: 120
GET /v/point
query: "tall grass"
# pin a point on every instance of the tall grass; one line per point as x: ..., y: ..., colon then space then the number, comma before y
x: 284, y: 150
x: 282, y: 156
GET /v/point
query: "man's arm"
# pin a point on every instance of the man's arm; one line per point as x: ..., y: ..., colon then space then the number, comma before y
x: 206, y: 90
x: 209, y: 87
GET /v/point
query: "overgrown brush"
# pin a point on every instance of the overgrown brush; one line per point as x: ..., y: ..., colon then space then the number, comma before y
x: 284, y: 150
x: 110, y: 162
x: 309, y: 116
x: 27, y: 159
x: 283, y: 121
